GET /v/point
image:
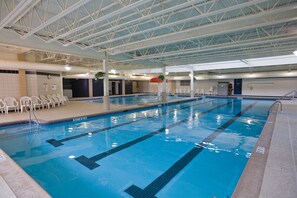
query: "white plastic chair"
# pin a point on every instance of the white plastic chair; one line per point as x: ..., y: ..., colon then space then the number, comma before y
x: 25, y: 102
x: 202, y: 92
x: 211, y: 90
x: 54, y: 99
x: 37, y: 103
x: 197, y: 92
x: 2, y: 106
x: 47, y: 102
x: 66, y: 99
x: 61, y: 98
x: 11, y: 103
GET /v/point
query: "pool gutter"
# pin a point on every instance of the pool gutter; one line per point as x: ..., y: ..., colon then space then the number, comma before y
x: 250, y: 182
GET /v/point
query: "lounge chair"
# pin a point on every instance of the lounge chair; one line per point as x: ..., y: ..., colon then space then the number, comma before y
x: 11, y: 103
x: 25, y: 102
x: 47, y: 102
x: 37, y: 103
x: 2, y: 106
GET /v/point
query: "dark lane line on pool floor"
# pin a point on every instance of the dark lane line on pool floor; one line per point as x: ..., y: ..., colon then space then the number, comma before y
x: 91, y: 162
x: 153, y: 188
x: 57, y: 143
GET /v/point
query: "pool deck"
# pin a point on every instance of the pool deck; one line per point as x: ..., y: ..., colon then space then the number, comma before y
x: 73, y: 110
x: 271, y: 172
x: 276, y: 165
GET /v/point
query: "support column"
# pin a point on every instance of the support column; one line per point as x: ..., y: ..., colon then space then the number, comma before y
x: 123, y: 87
x: 22, y: 83
x: 91, y: 88
x: 164, y: 99
x: 192, y: 83
x: 61, y: 84
x: 106, y: 102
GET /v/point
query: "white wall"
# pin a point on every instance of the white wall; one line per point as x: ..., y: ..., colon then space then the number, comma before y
x: 204, y: 84
x: 41, y: 85
x: 9, y: 85
x: 148, y: 87
x: 251, y: 86
x: 268, y: 86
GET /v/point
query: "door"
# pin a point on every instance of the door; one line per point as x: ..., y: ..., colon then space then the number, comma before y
x: 238, y: 86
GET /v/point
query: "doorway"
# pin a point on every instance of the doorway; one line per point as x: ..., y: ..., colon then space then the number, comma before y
x: 238, y: 86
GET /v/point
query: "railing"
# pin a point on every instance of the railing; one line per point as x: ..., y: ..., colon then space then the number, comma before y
x: 291, y: 95
x: 31, y: 114
x: 277, y: 101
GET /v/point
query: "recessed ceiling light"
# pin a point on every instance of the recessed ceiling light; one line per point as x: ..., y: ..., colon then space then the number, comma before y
x: 67, y: 67
x: 295, y: 52
x: 113, y: 71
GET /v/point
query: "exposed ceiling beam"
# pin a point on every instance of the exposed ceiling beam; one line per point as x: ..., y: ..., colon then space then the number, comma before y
x: 56, y: 17
x: 150, y: 16
x: 283, y: 14
x: 103, y: 18
x: 257, y: 41
x: 32, y: 5
x: 223, y: 10
x: 18, y: 9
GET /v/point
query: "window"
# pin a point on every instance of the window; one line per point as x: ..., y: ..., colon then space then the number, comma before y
x: 184, y: 83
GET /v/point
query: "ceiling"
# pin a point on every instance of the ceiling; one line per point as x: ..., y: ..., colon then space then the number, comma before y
x: 141, y: 34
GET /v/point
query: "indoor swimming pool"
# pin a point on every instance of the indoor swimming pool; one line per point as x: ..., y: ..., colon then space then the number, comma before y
x: 189, y: 149
x: 134, y: 100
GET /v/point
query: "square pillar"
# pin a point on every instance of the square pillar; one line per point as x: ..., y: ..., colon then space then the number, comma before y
x: 22, y: 83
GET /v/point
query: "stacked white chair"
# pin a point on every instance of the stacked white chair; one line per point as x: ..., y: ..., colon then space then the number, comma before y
x: 54, y: 99
x: 2, y: 106
x: 48, y: 102
x: 61, y: 98
x: 25, y: 102
x: 202, y: 92
x: 197, y: 92
x: 37, y: 103
x: 210, y: 90
x: 11, y: 103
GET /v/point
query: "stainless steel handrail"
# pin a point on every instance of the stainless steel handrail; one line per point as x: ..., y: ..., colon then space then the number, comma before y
x: 291, y: 95
x: 31, y: 112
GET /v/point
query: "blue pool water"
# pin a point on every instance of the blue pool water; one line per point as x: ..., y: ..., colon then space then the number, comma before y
x: 133, y: 100
x: 190, y: 149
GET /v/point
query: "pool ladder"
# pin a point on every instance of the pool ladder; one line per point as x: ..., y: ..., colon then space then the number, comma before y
x: 32, y: 116
x: 277, y: 101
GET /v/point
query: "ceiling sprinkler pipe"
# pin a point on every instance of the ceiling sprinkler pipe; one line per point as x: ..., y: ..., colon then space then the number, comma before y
x: 6, y: 64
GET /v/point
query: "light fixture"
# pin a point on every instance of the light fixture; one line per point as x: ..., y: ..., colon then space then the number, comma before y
x: 67, y: 67
x: 113, y: 71
x: 166, y: 73
x: 295, y: 52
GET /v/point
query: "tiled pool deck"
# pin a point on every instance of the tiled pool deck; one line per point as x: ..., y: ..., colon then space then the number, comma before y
x: 278, y: 179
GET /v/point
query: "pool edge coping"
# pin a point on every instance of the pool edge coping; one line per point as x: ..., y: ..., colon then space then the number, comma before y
x: 83, y: 117
x: 250, y: 181
x: 24, y: 185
